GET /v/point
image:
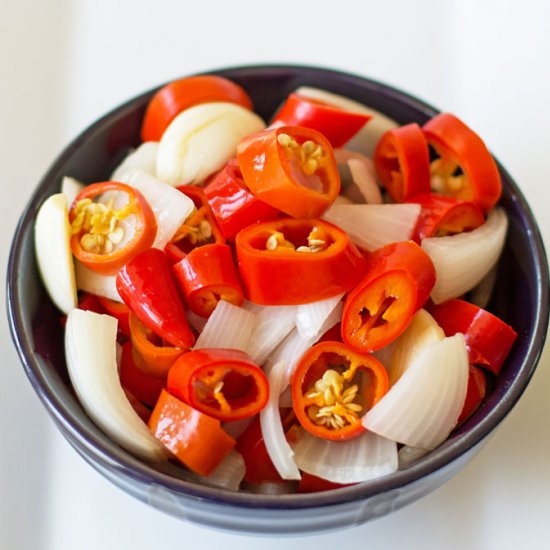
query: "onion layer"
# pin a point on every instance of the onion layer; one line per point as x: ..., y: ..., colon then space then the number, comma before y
x: 96, y: 283
x: 310, y: 317
x: 143, y: 158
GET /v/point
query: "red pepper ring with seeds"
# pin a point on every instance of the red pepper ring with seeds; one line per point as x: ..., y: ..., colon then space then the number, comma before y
x: 290, y: 262
x: 333, y: 387
x: 97, y: 227
x: 222, y: 383
x: 398, y: 281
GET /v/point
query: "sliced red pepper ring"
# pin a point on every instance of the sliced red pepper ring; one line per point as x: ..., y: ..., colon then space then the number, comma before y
x: 442, y: 215
x: 475, y: 394
x: 289, y: 262
x: 207, y: 275
x: 333, y: 387
x: 291, y: 168
x: 337, y: 125
x: 402, y: 161
x: 223, y: 383
x: 232, y: 203
x: 98, y: 229
x: 487, y: 338
x: 194, y: 438
x: 398, y: 280
x: 118, y: 310
x: 465, y: 168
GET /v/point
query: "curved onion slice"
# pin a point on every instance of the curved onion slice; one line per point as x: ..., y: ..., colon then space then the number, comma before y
x: 310, y: 317
x: 228, y: 474
x: 90, y: 347
x: 462, y: 260
x: 407, y: 456
x: 71, y: 187
x: 201, y: 139
x: 422, y: 330
x: 371, y: 226
x: 96, y: 283
x: 277, y: 446
x: 171, y: 207
x: 52, y: 236
x: 366, y: 457
x: 143, y: 158
x: 363, y: 187
x: 423, y: 406
x: 366, y: 139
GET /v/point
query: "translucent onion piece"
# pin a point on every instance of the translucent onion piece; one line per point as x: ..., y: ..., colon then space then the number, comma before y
x: 171, y: 207
x: 196, y: 321
x: 422, y: 330
x: 52, y: 243
x: 277, y: 446
x: 237, y: 427
x: 95, y: 283
x: 407, y: 456
x: 201, y: 139
x: 363, y: 187
x: 462, y: 260
x: 71, y: 187
x: 143, y: 158
x: 310, y: 317
x: 271, y: 325
x: 285, y: 399
x: 366, y: 457
x: 481, y: 294
x: 90, y: 347
x: 371, y: 226
x: 423, y: 406
x: 342, y: 199
x: 228, y: 326
x: 228, y: 474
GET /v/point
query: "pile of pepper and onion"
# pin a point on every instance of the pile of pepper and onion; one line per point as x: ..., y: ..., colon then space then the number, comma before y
x: 256, y: 233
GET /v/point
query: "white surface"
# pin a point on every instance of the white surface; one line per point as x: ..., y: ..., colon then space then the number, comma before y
x: 64, y: 63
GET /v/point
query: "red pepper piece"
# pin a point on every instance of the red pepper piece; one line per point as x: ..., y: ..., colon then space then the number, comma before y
x: 87, y: 302
x: 337, y: 125
x: 465, y: 168
x: 291, y: 168
x: 333, y: 387
x: 398, y: 281
x: 313, y: 484
x: 288, y: 262
x: 223, y: 383
x: 442, y: 215
x: 195, y: 439
x: 232, y: 203
x: 207, y: 275
x: 120, y: 311
x: 147, y: 287
x: 487, y: 338
x: 475, y: 394
x: 402, y: 161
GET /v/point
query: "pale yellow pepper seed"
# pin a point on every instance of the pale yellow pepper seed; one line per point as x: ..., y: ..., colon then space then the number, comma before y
x: 311, y: 155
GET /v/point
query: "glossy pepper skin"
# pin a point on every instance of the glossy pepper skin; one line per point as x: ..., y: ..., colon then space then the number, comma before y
x: 273, y: 170
x: 233, y: 204
x: 223, y: 383
x: 402, y: 162
x: 339, y: 382
x: 488, y: 339
x: 475, y: 394
x: 284, y: 276
x: 398, y: 280
x: 147, y: 287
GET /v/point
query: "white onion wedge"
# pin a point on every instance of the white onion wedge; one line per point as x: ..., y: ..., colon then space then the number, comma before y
x: 311, y: 317
x: 96, y: 283
x: 461, y: 261
x: 90, y: 346
x: 342, y: 199
x: 228, y: 326
x: 52, y: 243
x: 423, y: 406
x: 71, y: 187
x: 363, y: 187
x: 201, y: 139
x: 171, y: 207
x: 361, y: 459
x: 407, y: 456
x: 228, y: 474
x: 277, y: 446
x: 143, y: 158
x: 371, y: 226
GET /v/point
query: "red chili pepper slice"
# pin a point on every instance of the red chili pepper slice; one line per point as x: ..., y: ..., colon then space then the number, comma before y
x: 313, y: 484
x: 288, y: 262
x: 194, y: 438
x: 399, y: 278
x: 119, y: 311
x: 475, y: 394
x: 487, y: 338
x: 337, y: 125
x: 402, y: 161
x: 207, y: 275
x: 465, y: 168
x: 147, y: 287
x: 232, y: 203
x: 333, y: 387
x: 98, y: 228
x: 291, y: 168
x: 223, y: 383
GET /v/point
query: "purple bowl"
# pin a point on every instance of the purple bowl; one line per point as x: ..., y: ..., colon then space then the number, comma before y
x: 520, y: 298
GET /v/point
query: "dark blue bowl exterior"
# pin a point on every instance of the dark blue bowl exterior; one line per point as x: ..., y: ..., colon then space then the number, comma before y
x: 520, y: 298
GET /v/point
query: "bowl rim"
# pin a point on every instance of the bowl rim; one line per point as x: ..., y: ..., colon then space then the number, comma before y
x: 108, y: 453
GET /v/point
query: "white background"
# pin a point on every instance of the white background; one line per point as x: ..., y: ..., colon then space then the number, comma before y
x: 62, y: 64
